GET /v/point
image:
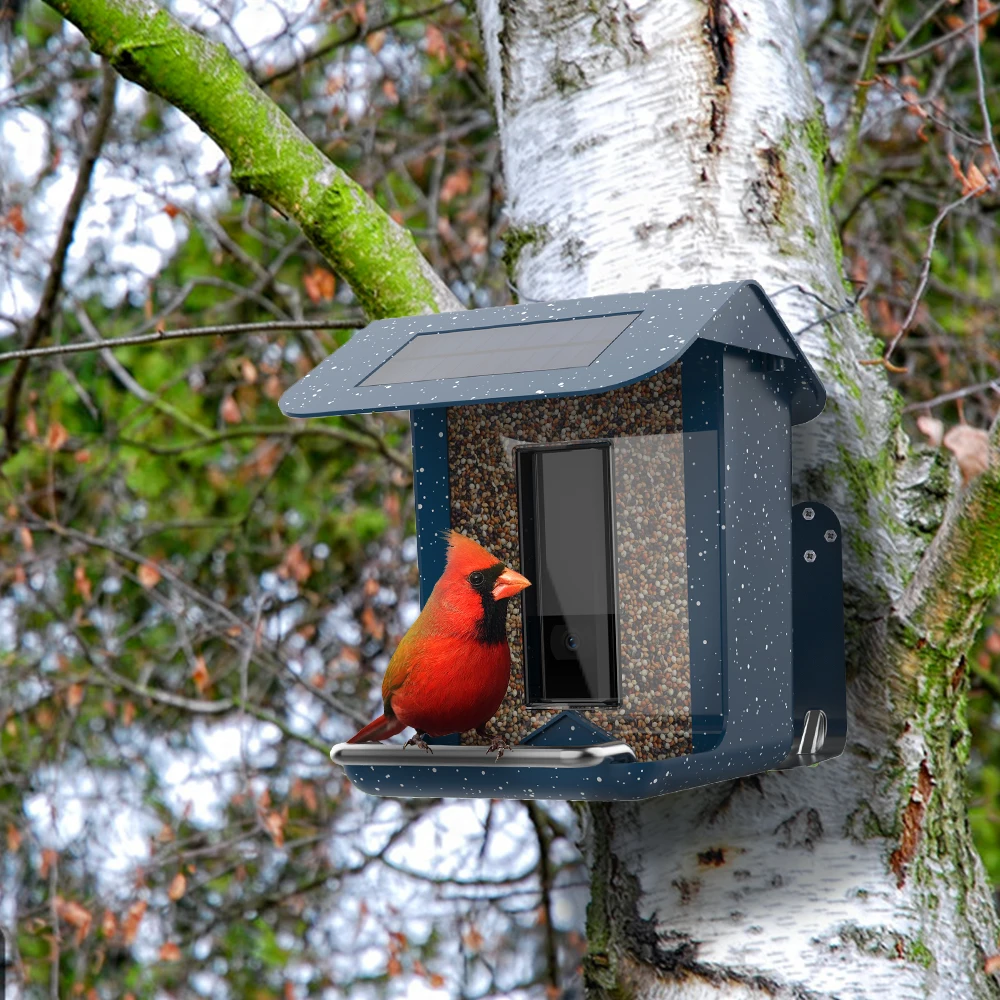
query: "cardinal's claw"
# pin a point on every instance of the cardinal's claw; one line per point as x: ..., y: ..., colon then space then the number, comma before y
x: 418, y: 740
x: 498, y: 745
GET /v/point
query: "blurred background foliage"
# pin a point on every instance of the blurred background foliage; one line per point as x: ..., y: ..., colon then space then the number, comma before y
x: 198, y: 596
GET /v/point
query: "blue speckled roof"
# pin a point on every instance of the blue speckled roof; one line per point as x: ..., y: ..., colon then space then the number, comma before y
x: 669, y: 321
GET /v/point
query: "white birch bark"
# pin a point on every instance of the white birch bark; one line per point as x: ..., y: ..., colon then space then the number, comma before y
x: 671, y: 142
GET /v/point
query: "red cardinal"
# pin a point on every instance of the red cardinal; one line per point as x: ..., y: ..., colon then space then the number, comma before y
x: 450, y: 671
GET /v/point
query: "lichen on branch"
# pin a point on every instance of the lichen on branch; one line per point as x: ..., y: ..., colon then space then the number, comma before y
x: 270, y: 157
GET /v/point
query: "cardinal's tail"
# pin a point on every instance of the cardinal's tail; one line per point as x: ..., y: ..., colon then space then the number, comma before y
x: 381, y: 729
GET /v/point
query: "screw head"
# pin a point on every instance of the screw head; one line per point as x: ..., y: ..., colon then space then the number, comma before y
x: 830, y: 535
x: 809, y: 556
x: 808, y: 513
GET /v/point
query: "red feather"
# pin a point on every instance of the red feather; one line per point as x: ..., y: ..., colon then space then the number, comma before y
x: 443, y: 678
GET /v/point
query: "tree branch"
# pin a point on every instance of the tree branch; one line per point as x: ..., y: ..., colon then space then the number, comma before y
x: 960, y: 571
x: 41, y: 325
x: 195, y: 331
x: 270, y: 157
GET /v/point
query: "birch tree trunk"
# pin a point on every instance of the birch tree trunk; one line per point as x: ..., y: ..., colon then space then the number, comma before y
x: 674, y: 142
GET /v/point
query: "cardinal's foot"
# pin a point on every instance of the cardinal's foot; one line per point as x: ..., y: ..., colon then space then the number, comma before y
x: 418, y: 740
x: 498, y: 745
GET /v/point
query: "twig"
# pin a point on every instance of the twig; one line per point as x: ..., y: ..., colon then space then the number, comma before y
x: 41, y: 324
x: 369, y: 441
x: 925, y: 270
x: 125, y: 377
x: 949, y: 397
x: 898, y: 57
x: 357, y: 34
x: 545, y: 885
x: 981, y: 86
x: 195, y: 331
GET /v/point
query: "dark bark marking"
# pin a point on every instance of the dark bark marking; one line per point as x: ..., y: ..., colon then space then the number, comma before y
x: 913, y: 824
x: 802, y: 829
x: 958, y: 674
x: 714, y: 857
x: 680, y: 220
x: 766, y: 194
x: 719, y: 26
x: 688, y: 888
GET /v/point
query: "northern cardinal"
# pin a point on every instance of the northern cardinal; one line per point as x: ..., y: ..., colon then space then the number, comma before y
x: 450, y: 671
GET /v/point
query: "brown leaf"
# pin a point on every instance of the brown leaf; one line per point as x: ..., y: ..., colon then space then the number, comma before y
x: 76, y: 915
x: 49, y: 857
x: 82, y: 456
x: 15, y: 220
x: 74, y: 696
x: 272, y: 388
x: 976, y: 178
x: 26, y: 538
x: 178, y: 886
x: 360, y: 12
x: 971, y: 448
x: 993, y: 643
x: 128, y: 713
x: 931, y: 428
x: 13, y: 838
x: 992, y: 965
x: 390, y: 91
x: 248, y: 370
x: 149, y: 575
x: 473, y: 939
x: 434, y: 43
x: 394, y: 966
x: 133, y: 917
x: 320, y: 284
x: 375, y: 41
x: 56, y: 437
x: 457, y: 183
x: 295, y: 565
x: 372, y: 625
x: 274, y: 823
x: 200, y: 675
x: 436, y: 981
x: 81, y: 582
x: 230, y: 411
x: 169, y: 952
x: 109, y: 925
x: 31, y: 424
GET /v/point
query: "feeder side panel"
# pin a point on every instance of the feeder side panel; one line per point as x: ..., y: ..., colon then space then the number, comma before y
x: 757, y: 543
x: 429, y: 431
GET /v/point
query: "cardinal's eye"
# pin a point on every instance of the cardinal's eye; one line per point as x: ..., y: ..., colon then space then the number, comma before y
x: 477, y: 579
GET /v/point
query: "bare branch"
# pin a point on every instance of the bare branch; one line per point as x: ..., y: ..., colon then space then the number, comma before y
x: 41, y: 325
x: 197, y: 331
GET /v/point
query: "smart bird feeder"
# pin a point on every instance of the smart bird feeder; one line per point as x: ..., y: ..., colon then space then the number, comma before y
x: 631, y: 455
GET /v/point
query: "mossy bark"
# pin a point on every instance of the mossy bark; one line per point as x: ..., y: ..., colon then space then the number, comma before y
x: 270, y: 157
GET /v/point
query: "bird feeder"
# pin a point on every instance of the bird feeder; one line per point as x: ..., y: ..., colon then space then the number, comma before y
x: 632, y: 456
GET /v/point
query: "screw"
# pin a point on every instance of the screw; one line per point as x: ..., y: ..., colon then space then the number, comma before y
x: 810, y: 556
x: 808, y: 513
x: 830, y: 535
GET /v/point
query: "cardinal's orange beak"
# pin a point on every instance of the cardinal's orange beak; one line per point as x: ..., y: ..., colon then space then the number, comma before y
x: 508, y: 584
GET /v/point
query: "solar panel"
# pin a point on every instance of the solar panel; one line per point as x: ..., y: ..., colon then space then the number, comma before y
x: 501, y: 350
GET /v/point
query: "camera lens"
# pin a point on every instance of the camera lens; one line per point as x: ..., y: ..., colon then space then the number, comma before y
x: 572, y: 641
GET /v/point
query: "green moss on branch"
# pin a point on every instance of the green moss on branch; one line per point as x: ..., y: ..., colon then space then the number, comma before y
x: 270, y: 157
